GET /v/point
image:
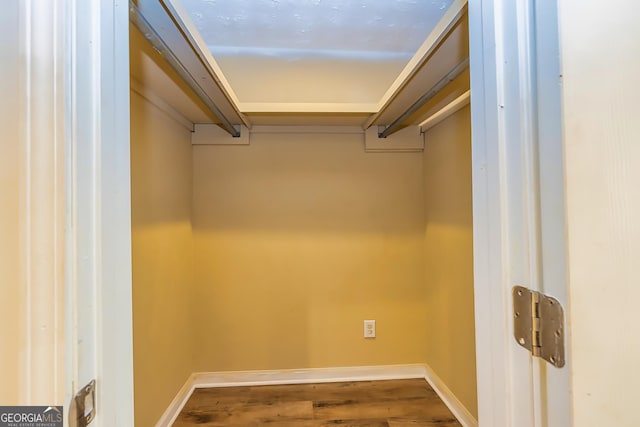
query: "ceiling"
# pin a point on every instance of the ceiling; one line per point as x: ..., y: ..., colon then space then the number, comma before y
x: 313, y: 51
x: 299, y: 62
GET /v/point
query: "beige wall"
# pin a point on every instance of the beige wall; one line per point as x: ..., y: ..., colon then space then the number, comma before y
x: 299, y: 238
x: 450, y: 344
x: 162, y: 258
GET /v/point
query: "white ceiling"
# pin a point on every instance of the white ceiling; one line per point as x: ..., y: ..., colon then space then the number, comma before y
x: 278, y: 52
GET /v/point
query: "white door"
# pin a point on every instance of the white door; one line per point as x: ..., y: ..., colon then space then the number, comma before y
x: 518, y: 204
x: 601, y: 64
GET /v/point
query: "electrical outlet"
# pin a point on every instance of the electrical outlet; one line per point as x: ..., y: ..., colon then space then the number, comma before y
x: 369, y: 328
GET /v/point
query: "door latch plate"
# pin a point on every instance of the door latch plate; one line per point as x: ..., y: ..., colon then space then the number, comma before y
x: 83, y: 406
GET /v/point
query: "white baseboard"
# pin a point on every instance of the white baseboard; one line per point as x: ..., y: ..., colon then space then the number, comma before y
x: 455, y: 406
x: 315, y: 375
x: 173, y: 410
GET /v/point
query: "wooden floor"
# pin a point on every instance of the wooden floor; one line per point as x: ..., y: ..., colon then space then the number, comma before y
x: 391, y: 403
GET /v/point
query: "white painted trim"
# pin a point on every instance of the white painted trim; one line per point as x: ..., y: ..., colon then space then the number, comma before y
x: 98, y: 334
x: 446, y: 111
x: 459, y: 410
x: 41, y: 41
x: 173, y: 410
x: 148, y: 94
x: 507, y: 160
x: 315, y: 375
x: 490, y: 262
x: 306, y: 376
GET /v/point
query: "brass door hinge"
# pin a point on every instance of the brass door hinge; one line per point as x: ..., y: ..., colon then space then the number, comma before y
x: 538, y: 324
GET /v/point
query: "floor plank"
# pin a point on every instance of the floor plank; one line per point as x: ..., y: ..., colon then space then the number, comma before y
x: 392, y: 403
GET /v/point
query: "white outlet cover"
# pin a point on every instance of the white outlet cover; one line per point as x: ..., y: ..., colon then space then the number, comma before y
x: 369, y: 328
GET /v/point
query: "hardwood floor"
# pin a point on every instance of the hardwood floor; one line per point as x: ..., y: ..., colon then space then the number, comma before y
x: 392, y: 403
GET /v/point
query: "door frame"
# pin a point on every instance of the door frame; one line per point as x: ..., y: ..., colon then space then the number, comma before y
x: 493, y: 350
x: 33, y: 42
x: 73, y: 309
x: 518, y: 210
x: 98, y: 312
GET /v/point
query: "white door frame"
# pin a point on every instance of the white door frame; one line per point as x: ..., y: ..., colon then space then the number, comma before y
x: 68, y: 60
x: 493, y: 350
x: 518, y: 210
x: 32, y: 66
x: 98, y: 257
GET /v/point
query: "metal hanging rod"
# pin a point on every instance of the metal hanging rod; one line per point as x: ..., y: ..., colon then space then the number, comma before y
x: 136, y: 17
x: 451, y: 75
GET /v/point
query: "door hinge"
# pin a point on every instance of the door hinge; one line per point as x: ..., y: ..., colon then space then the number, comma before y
x: 538, y: 324
x: 83, y: 406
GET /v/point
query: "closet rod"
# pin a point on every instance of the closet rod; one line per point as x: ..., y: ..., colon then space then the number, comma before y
x: 451, y: 75
x: 446, y: 111
x: 136, y: 17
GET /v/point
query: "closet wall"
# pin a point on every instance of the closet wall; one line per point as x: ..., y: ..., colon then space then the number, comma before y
x: 298, y: 239
x: 162, y: 256
x: 448, y: 261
